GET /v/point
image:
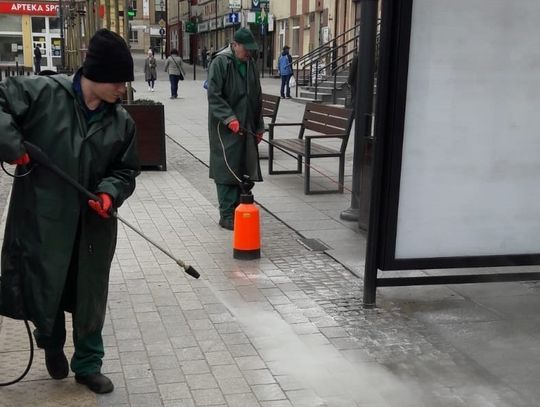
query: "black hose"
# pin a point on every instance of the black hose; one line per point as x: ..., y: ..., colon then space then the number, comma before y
x: 30, y: 339
x: 30, y: 359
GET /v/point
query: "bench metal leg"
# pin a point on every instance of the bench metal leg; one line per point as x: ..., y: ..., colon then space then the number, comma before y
x: 270, y: 158
x: 307, y: 168
x: 271, y: 163
x: 341, y: 178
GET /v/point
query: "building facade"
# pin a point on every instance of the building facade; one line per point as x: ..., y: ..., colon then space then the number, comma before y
x: 303, y: 25
x: 160, y: 25
x: 23, y: 25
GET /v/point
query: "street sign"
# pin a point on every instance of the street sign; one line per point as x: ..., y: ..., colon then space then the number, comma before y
x: 191, y: 27
x: 261, y: 17
x: 235, y: 4
x: 131, y: 12
x: 162, y: 31
x: 162, y: 23
x: 252, y: 17
x: 233, y: 18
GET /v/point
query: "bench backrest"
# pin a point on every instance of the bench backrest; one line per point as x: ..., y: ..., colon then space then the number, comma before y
x: 326, y: 119
x: 270, y: 105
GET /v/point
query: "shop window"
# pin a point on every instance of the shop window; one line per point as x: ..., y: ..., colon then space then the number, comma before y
x: 10, y: 23
x: 296, y: 37
x: 38, y: 25
x: 159, y: 8
x: 54, y: 25
x: 282, y: 28
x: 133, y: 36
x: 11, y: 49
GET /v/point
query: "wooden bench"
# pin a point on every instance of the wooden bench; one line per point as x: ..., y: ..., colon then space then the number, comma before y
x: 270, y: 105
x: 322, y: 122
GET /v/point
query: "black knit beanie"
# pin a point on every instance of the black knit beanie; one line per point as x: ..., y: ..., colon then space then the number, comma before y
x: 108, y: 59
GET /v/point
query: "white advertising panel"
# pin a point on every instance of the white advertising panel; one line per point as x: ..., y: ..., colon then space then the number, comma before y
x: 470, y: 172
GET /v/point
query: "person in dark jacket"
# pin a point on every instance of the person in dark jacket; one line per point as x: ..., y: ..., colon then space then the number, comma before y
x: 150, y: 72
x: 58, y: 243
x: 285, y: 71
x: 351, y: 79
x: 204, y: 57
x: 37, y: 59
x: 235, y: 122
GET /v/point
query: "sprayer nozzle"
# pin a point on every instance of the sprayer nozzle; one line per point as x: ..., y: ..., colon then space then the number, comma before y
x: 192, y: 272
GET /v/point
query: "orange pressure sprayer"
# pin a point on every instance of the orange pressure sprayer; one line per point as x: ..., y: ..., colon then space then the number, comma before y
x: 246, y: 235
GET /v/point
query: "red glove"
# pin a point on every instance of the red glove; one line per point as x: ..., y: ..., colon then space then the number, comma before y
x: 22, y: 160
x: 234, y: 126
x: 103, y: 206
x: 259, y: 137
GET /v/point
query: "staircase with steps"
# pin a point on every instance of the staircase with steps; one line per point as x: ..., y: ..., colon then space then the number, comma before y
x: 325, y: 91
x: 322, y: 73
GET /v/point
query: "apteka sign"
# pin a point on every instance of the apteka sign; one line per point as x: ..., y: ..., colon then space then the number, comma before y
x: 27, y: 8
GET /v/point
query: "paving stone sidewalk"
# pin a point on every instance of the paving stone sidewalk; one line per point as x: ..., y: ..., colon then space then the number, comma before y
x: 287, y: 330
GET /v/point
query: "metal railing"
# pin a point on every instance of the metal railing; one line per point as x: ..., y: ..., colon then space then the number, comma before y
x: 14, y: 70
x: 326, y: 61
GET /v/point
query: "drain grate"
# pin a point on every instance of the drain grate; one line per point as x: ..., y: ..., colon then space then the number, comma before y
x: 315, y: 245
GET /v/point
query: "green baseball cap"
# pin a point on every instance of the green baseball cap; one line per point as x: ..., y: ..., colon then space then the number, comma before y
x: 245, y: 37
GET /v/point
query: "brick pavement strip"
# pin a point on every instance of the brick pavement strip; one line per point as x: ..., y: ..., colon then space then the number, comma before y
x: 288, y: 330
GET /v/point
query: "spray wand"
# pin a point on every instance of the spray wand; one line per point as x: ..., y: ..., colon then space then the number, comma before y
x: 37, y: 155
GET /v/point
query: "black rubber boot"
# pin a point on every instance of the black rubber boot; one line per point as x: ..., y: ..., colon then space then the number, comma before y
x: 57, y: 364
x: 226, y: 223
x: 96, y: 382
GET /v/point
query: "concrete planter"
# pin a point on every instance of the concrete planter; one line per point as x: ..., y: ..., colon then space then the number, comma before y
x: 150, y: 122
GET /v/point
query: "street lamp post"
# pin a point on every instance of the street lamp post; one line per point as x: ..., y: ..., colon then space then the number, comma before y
x: 192, y: 48
x: 161, y: 5
x: 62, y: 41
x: 264, y: 29
x: 216, y: 42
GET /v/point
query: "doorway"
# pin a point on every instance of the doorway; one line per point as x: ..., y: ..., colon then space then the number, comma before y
x: 46, y: 33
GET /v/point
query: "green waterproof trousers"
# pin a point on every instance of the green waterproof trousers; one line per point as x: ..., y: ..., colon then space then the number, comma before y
x: 89, y: 350
x: 228, y: 198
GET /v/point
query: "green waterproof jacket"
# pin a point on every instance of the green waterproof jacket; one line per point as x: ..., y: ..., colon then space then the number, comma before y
x: 232, y: 96
x: 45, y: 214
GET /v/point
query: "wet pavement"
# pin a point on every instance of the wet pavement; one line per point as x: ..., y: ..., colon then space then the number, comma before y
x: 288, y: 329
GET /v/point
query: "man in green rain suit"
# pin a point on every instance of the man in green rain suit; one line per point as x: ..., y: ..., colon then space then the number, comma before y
x: 235, y: 123
x: 58, y: 245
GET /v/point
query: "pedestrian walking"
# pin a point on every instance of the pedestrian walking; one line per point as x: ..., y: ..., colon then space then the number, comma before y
x: 150, y: 74
x: 37, y: 59
x: 234, y: 117
x: 204, y: 57
x: 351, y: 79
x: 209, y: 55
x: 173, y: 66
x: 58, y: 246
x: 285, y: 71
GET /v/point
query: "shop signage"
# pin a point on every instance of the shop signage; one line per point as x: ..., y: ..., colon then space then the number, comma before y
x: 203, y: 27
x: 27, y: 8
